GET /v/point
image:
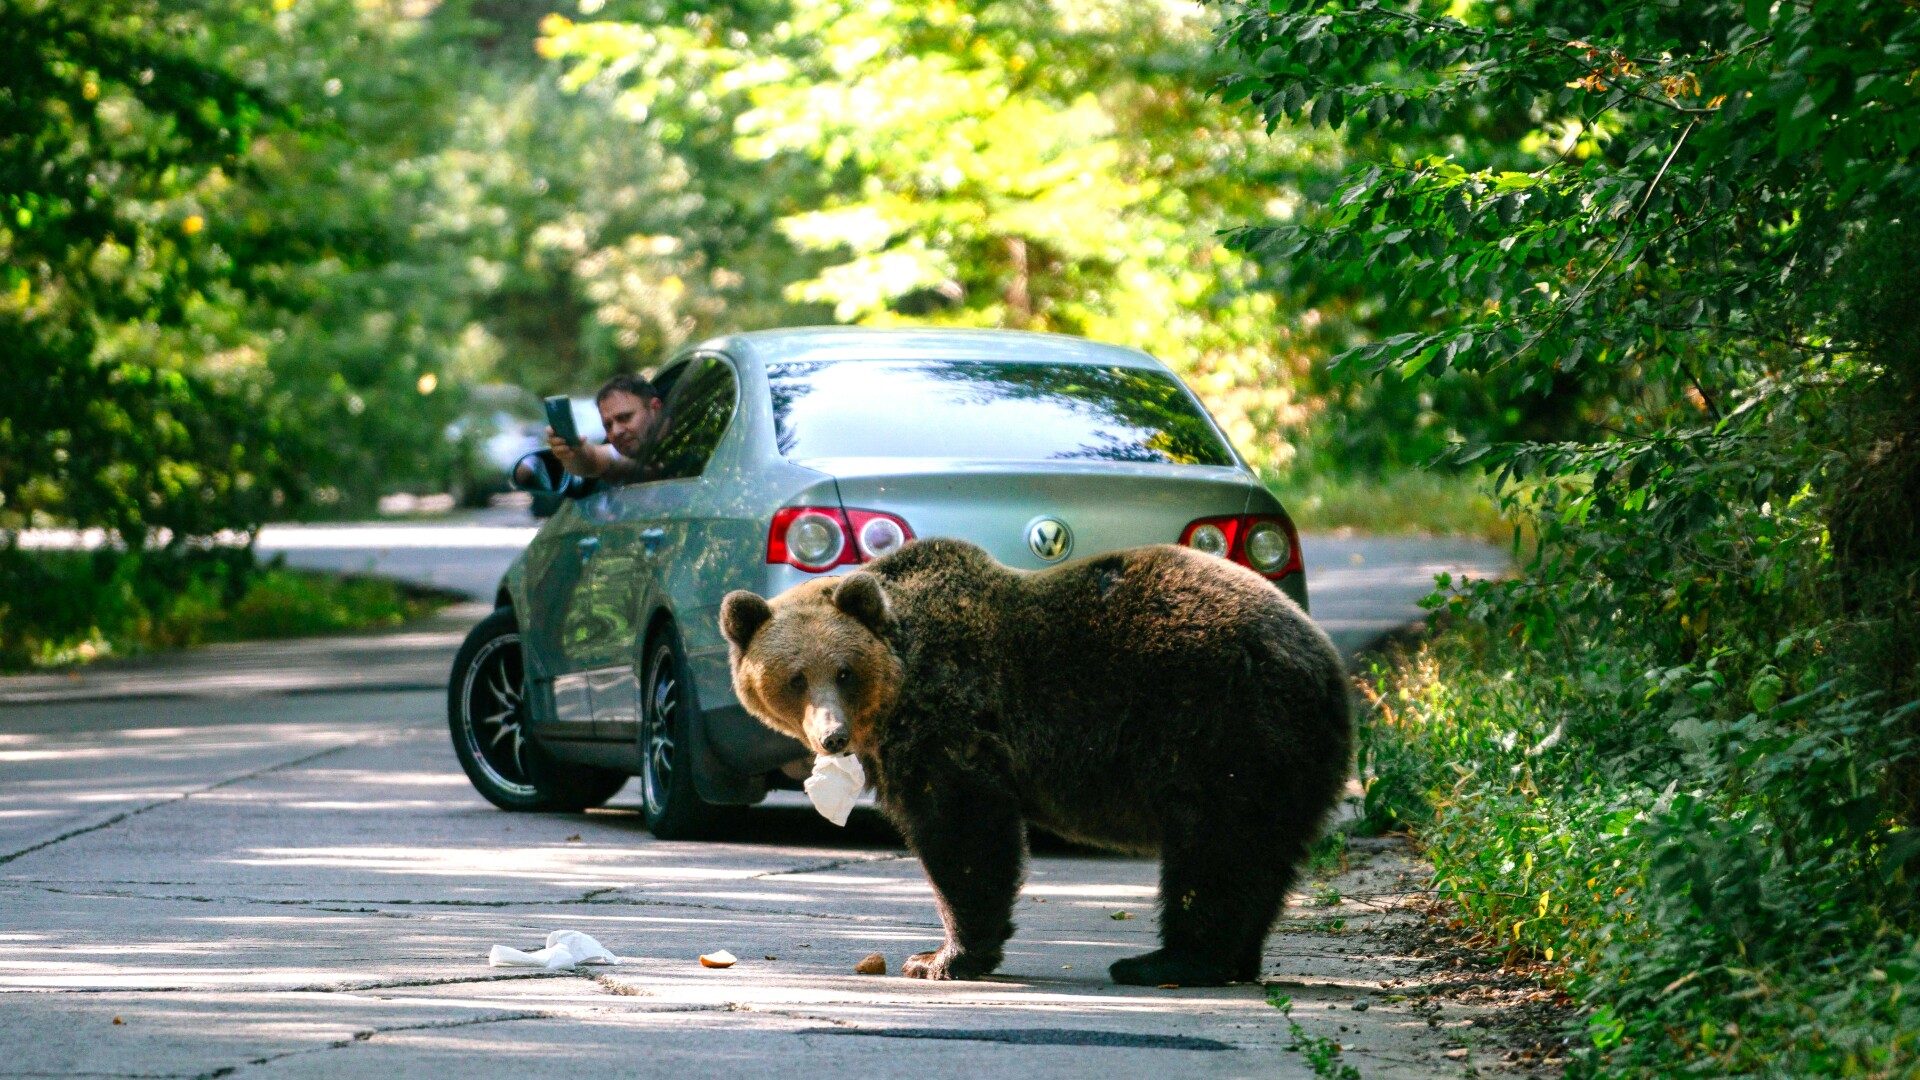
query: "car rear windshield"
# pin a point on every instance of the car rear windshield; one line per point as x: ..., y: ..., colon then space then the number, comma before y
x: 987, y: 411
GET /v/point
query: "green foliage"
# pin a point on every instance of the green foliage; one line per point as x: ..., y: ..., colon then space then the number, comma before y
x: 301, y: 239
x: 1652, y: 188
x: 1322, y: 1054
x: 1328, y: 856
x: 63, y: 607
x: 258, y: 256
x: 1587, y: 206
x: 128, y: 407
x: 976, y: 163
x: 1679, y: 750
x: 1713, y: 865
x: 450, y: 219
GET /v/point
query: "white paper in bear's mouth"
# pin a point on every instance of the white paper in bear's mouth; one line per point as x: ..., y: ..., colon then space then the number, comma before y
x: 836, y: 782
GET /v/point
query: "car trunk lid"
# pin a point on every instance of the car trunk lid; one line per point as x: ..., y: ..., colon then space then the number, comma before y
x: 1104, y: 505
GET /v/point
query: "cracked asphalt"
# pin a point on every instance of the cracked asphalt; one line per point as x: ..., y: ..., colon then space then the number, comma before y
x: 253, y: 874
x: 305, y: 885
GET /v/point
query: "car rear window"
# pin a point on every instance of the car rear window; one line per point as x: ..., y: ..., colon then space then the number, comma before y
x: 987, y: 411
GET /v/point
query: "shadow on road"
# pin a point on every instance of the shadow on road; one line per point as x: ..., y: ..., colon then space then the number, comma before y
x: 787, y: 820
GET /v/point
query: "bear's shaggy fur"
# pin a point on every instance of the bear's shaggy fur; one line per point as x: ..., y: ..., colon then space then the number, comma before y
x: 1150, y: 700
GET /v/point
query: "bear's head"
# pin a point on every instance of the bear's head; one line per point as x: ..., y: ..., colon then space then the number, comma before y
x: 813, y: 662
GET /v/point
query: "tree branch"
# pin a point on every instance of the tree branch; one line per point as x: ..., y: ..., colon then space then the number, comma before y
x: 1627, y: 234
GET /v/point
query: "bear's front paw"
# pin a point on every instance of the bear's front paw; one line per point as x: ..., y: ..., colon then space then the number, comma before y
x: 925, y: 965
x: 948, y: 963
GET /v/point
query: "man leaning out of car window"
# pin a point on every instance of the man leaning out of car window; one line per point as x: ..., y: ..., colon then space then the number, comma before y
x: 630, y: 410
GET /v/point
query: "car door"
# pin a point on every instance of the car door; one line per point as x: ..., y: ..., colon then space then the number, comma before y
x: 647, y: 524
x: 561, y: 627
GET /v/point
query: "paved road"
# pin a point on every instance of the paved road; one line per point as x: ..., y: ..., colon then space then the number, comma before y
x: 263, y: 860
x: 1364, y: 587
x: 306, y: 886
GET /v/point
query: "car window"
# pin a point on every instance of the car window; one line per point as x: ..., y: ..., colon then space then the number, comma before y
x: 700, y: 404
x: 664, y: 379
x: 988, y: 411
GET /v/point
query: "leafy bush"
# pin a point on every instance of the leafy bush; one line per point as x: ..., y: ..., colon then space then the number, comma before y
x: 70, y: 607
x: 1715, y: 868
x: 1677, y: 755
x: 1673, y: 756
x: 1679, y: 752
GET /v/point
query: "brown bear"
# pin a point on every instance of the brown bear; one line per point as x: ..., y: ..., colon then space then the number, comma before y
x: 1150, y: 700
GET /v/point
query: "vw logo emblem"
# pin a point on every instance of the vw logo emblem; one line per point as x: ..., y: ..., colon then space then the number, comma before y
x: 1048, y: 538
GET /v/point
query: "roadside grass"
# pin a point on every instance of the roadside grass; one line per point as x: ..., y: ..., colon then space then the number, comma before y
x: 1416, y: 502
x: 1636, y: 826
x: 1322, y: 1054
x: 1678, y: 756
x: 62, y: 608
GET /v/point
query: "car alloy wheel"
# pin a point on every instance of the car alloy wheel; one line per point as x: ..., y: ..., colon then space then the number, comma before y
x: 494, y: 699
x: 674, y: 809
x: 663, y: 706
x: 487, y: 713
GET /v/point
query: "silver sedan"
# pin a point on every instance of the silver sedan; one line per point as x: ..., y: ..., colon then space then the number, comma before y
x: 788, y: 454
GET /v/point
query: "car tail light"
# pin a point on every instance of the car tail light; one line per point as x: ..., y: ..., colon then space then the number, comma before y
x: 817, y: 538
x: 1265, y: 543
x: 876, y: 534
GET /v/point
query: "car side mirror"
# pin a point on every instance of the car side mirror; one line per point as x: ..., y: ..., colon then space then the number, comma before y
x: 541, y: 473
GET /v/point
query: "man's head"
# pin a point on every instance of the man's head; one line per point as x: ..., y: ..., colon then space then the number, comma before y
x: 629, y: 408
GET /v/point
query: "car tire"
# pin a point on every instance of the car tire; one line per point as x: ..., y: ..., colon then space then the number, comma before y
x: 674, y: 809
x: 486, y: 714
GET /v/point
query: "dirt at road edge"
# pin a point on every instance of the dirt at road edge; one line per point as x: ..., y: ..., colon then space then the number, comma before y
x: 1372, y: 964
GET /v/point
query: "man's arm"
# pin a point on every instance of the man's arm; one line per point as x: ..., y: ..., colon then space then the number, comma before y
x: 586, y: 459
x: 625, y: 470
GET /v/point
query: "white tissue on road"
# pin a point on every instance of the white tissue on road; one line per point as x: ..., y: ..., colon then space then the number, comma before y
x: 565, y: 949
x: 836, y: 782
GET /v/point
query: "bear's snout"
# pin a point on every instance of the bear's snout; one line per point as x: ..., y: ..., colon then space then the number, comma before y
x: 827, y: 729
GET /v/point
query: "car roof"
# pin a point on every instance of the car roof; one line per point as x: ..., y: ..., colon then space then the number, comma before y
x: 923, y: 343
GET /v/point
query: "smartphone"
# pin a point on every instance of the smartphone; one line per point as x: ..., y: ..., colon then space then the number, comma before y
x: 560, y: 419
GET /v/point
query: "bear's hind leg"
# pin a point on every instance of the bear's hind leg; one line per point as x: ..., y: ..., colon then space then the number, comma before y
x: 1221, y: 888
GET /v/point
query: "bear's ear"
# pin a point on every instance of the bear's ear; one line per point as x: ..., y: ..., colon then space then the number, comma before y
x: 742, y: 614
x: 861, y: 596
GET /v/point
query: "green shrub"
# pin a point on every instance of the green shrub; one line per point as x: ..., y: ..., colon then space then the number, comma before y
x: 64, y: 607
x: 1679, y: 751
x: 1678, y: 756
x: 1718, y: 871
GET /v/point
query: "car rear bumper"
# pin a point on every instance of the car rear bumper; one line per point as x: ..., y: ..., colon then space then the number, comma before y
x: 735, y: 754
x: 1295, y: 586
x: 745, y: 745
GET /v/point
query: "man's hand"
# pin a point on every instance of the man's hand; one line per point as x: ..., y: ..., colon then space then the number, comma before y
x: 586, y: 459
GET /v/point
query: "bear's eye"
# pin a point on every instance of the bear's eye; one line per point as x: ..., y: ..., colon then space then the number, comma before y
x: 798, y: 683
x: 846, y: 675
